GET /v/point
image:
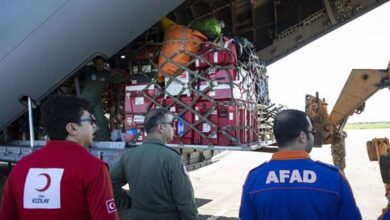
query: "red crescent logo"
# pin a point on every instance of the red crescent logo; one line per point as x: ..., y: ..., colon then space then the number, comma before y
x: 48, y: 182
x: 110, y: 204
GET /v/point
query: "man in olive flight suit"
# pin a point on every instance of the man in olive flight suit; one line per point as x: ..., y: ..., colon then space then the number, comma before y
x: 158, y: 180
x: 95, y: 82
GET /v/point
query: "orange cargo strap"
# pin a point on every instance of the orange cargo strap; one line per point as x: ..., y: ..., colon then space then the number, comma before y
x: 179, y: 43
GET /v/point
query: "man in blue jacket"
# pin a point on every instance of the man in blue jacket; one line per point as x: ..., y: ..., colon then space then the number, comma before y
x: 291, y: 185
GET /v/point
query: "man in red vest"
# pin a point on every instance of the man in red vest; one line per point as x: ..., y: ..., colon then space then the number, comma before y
x: 62, y: 180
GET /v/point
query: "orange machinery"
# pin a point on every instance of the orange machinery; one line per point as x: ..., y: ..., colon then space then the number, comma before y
x: 360, y: 86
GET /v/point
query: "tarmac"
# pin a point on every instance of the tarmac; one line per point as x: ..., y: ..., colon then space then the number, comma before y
x: 218, y: 186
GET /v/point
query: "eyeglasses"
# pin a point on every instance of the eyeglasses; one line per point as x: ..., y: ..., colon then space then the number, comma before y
x: 313, y: 131
x: 90, y: 119
x: 169, y: 123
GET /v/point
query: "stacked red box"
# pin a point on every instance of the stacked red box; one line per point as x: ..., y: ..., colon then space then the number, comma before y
x: 229, y: 121
x: 210, y: 109
x: 221, y: 55
x: 183, y: 133
x: 135, y: 101
x: 224, y: 75
x: 136, y: 105
x: 134, y: 123
x: 225, y: 126
x: 222, y: 91
x: 224, y: 83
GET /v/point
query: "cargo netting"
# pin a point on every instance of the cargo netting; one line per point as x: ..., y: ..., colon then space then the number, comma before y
x: 217, y: 91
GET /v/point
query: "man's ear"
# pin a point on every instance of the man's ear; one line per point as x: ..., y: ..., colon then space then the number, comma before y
x: 71, y: 128
x: 159, y: 129
x: 302, y: 138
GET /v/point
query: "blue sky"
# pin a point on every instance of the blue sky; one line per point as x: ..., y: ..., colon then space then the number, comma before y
x: 325, y: 64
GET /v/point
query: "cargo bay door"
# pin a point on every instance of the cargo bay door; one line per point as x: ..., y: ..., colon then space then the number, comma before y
x: 42, y: 43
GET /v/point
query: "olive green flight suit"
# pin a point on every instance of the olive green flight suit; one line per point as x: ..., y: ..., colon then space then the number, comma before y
x: 159, y: 186
x: 94, y: 85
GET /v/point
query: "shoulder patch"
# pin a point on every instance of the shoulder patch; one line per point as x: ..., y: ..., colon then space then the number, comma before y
x: 258, y: 166
x: 333, y: 167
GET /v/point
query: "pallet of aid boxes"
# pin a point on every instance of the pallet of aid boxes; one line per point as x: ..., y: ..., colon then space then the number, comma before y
x: 185, y: 94
x: 225, y: 111
x: 210, y: 96
x: 144, y: 95
x: 224, y: 107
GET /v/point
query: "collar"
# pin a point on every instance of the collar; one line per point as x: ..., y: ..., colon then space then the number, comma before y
x: 287, y: 155
x: 153, y: 140
x: 63, y: 143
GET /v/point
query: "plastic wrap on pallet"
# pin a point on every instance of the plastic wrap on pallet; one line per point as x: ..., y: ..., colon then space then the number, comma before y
x: 178, y: 85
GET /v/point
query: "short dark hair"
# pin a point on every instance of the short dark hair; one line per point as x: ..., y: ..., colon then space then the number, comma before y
x: 58, y: 111
x: 153, y: 118
x: 98, y: 57
x: 288, y: 124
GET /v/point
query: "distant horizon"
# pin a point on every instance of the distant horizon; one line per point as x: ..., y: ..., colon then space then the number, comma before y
x: 370, y: 122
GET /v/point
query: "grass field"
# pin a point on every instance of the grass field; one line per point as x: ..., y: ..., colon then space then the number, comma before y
x: 368, y: 125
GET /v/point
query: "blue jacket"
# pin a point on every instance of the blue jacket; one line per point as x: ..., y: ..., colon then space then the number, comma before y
x: 292, y: 186
x: 386, y: 215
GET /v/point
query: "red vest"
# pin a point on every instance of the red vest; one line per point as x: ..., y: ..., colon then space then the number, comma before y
x: 60, y: 181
